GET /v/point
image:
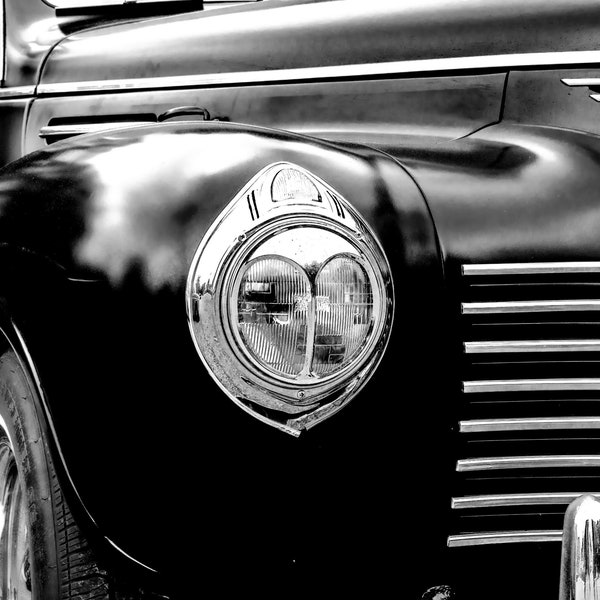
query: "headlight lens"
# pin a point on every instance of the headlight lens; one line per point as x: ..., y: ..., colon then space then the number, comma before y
x: 344, y: 314
x: 290, y: 299
x: 296, y: 327
x: 272, y: 307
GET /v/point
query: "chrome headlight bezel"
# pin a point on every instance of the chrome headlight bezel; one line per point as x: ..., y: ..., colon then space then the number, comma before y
x: 255, y: 220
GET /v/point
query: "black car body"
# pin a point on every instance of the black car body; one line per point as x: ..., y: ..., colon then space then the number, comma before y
x: 465, y: 136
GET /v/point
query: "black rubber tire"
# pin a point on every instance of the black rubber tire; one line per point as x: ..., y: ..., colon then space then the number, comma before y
x: 62, y: 565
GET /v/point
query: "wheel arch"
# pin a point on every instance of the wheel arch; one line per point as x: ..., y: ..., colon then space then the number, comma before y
x: 19, y: 269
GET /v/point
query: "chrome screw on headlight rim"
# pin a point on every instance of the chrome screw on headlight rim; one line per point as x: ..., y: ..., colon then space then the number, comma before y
x: 290, y: 299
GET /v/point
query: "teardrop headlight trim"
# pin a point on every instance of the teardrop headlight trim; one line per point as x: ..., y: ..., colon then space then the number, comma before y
x: 290, y: 299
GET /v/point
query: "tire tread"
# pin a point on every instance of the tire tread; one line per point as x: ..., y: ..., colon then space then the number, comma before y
x: 77, y: 572
x: 81, y: 578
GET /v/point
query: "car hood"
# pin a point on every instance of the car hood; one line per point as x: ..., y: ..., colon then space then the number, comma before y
x: 277, y: 35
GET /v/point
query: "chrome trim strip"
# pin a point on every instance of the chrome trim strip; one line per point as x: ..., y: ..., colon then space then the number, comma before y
x: 530, y: 385
x: 331, y: 72
x: 532, y: 346
x: 498, y: 463
x: 121, y: 551
x: 537, y: 424
x: 494, y: 501
x: 546, y: 268
x: 24, y: 91
x: 503, y: 537
x: 529, y: 306
x: 582, y: 81
x: 595, y: 97
x: 82, y: 128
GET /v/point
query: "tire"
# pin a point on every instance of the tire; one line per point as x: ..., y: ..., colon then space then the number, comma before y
x: 43, y: 554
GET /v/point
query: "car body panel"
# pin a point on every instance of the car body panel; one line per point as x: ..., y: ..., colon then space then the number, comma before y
x: 146, y: 409
x: 492, y: 160
x: 146, y: 417
x: 268, y: 37
x: 531, y: 194
x: 32, y: 29
x: 539, y: 97
x: 446, y: 107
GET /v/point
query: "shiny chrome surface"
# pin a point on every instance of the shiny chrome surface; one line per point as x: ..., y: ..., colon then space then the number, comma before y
x: 580, y: 564
x: 542, y: 454
x: 529, y: 306
x: 15, y: 570
x: 541, y: 268
x: 265, y: 344
x: 532, y: 346
x: 531, y: 385
x: 582, y: 82
x: 83, y: 128
x: 17, y: 92
x: 527, y: 462
x: 329, y: 72
x: 503, y: 537
x: 497, y: 500
x: 534, y: 424
x: 439, y: 592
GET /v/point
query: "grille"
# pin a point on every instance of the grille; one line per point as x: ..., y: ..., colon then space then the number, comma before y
x: 529, y: 423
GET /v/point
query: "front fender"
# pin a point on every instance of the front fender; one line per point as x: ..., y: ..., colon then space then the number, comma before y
x: 156, y: 452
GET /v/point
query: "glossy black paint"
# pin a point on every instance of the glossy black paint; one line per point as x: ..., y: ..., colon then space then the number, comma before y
x: 513, y: 193
x: 31, y: 30
x: 442, y: 106
x: 124, y: 212
x: 173, y: 459
x: 97, y: 234
x: 276, y: 35
x: 128, y: 375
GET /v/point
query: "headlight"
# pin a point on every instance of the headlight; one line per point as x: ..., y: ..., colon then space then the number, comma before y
x: 290, y: 299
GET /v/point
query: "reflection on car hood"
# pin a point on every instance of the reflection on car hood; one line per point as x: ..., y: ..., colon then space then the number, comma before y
x: 277, y: 35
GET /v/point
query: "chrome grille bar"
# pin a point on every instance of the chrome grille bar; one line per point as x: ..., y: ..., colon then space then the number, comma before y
x: 531, y: 385
x: 533, y: 424
x: 503, y: 537
x: 527, y: 462
x: 529, y: 306
x: 532, y: 346
x: 496, y: 500
x: 544, y: 268
x: 512, y: 377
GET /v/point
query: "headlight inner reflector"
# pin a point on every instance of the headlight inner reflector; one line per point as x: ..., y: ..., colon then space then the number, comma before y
x: 272, y: 307
x: 344, y: 314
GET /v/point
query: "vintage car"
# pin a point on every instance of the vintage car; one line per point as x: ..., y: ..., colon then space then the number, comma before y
x: 300, y: 299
